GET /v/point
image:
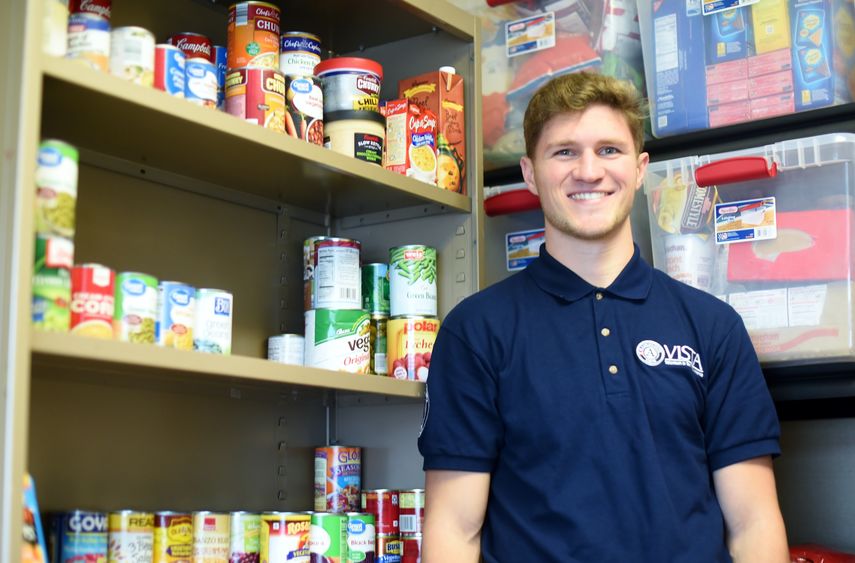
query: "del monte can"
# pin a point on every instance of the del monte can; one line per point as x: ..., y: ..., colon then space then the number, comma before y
x: 412, y: 280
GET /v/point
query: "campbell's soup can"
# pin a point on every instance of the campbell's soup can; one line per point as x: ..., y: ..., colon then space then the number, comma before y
x: 52, y: 284
x: 338, y: 478
x: 92, y: 301
x: 213, y: 323
x: 328, y: 537
x: 383, y: 504
x: 173, y: 537
x: 299, y: 53
x: 285, y: 537
x: 338, y: 340
x: 286, y: 349
x: 361, y: 538
x: 412, y: 280
x: 135, y: 309
x: 409, y: 346
x: 169, y: 69
x: 56, y: 188
x: 253, y: 35
x: 220, y: 59
x: 257, y: 95
x: 200, y: 82
x: 378, y: 344
x: 309, y: 247
x: 132, y: 55
x: 411, y: 548
x: 194, y: 45
x: 305, y: 101
x: 89, y: 40
x: 211, y: 534
x: 412, y: 511
x: 389, y: 548
x: 176, y: 315
x: 245, y: 537
x: 77, y: 536
x: 131, y: 537
x: 100, y: 8
x: 337, y: 277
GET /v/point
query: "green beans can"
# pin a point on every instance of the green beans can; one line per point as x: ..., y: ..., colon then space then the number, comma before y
x: 328, y: 537
x: 412, y: 280
x: 375, y: 288
x: 56, y: 188
x: 135, y: 311
x: 52, y: 284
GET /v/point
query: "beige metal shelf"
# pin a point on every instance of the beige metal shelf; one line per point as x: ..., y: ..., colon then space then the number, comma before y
x: 89, y: 354
x: 105, y: 114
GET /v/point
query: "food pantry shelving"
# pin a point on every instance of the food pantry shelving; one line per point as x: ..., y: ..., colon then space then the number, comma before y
x: 188, y: 193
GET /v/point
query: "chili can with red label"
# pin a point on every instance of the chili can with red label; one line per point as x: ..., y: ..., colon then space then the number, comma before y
x: 412, y: 548
x: 383, y: 504
x: 92, y: 300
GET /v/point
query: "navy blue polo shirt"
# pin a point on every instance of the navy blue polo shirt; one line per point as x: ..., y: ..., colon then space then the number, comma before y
x: 600, y: 413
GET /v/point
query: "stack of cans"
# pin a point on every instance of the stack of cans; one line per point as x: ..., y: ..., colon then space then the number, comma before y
x: 384, y: 506
x: 375, y: 300
x: 412, y: 520
x: 201, y: 80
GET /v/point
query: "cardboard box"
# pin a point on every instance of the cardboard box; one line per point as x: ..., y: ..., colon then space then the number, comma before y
x: 769, y: 63
x: 812, y: 52
x: 411, y: 140
x: 728, y: 114
x: 728, y: 72
x: 771, y: 85
x: 728, y: 35
x: 727, y: 92
x: 771, y: 25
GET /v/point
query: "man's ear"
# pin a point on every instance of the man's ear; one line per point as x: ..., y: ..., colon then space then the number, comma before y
x: 643, y: 161
x: 527, y: 167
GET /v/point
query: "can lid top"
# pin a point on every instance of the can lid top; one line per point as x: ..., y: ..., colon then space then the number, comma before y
x: 448, y: 69
x: 363, y: 115
x: 350, y: 63
x: 265, y: 4
x: 187, y: 34
x: 306, y: 34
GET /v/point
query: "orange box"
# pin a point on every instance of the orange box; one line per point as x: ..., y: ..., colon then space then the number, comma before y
x: 441, y: 92
x: 411, y: 140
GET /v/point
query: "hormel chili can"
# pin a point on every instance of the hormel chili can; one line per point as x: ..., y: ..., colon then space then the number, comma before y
x: 257, y: 95
x: 383, y: 504
x: 92, y: 300
x: 194, y: 45
x: 253, y: 35
x: 412, y: 548
x: 100, y: 8
x: 412, y: 511
x: 169, y: 63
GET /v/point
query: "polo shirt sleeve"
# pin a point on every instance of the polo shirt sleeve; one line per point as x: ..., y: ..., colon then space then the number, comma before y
x: 740, y: 421
x: 462, y: 428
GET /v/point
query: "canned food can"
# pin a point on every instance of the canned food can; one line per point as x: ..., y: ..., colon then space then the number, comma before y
x: 245, y: 537
x: 412, y: 511
x: 338, y: 478
x: 257, y: 95
x: 350, y: 84
x: 194, y: 45
x: 52, y: 284
x: 328, y: 537
x: 100, y: 8
x: 131, y: 536
x: 200, y: 82
x: 305, y: 101
x: 169, y: 71
x: 375, y: 288
x: 135, y: 307
x: 338, y: 339
x: 173, y: 537
x: 285, y: 537
x: 361, y: 538
x: 309, y: 247
x: 132, y: 55
x: 412, y: 280
x: 78, y: 535
x: 56, y: 188
x: 253, y: 35
x: 89, y: 40
x: 299, y: 53
x: 378, y: 344
x: 411, y: 548
x: 286, y: 349
x: 337, y: 278
x: 383, y: 504
x: 213, y: 323
x: 389, y: 549
x: 92, y: 301
x: 220, y: 59
x: 176, y: 315
x: 211, y: 537
x: 409, y: 344
x: 55, y: 28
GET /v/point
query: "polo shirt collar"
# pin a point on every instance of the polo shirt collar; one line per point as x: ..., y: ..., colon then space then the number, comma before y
x: 554, y: 277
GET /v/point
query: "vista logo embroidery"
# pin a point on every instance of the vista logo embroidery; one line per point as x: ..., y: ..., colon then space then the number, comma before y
x: 652, y: 353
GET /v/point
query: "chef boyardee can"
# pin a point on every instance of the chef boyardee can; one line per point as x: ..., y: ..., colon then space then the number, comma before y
x: 173, y: 537
x: 412, y: 280
x: 328, y: 537
x: 377, y: 344
x: 52, y: 284
x: 245, y: 537
x: 56, y: 188
x: 131, y: 537
x: 78, y: 535
x: 361, y: 538
x: 135, y: 309
x: 375, y: 288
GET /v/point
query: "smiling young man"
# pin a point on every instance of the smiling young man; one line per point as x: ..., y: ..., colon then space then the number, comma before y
x: 591, y: 408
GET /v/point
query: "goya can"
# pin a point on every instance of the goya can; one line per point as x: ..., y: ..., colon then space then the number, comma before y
x: 337, y: 278
x: 253, y: 35
x: 245, y: 537
x: 221, y: 60
x: 211, y: 533
x: 375, y: 288
x: 135, y: 307
x: 52, y: 284
x: 286, y: 349
x: 350, y: 84
x: 131, y: 536
x: 412, y: 280
x: 78, y: 536
x: 361, y: 538
x: 194, y: 45
x: 328, y: 537
x: 257, y: 95
x: 409, y: 346
x: 299, y: 53
x: 173, y: 537
x: 338, y: 478
x: 378, y: 345
x: 338, y: 339
x: 383, y: 504
x: 56, y: 188
x: 411, y: 548
x: 89, y: 40
x: 169, y: 69
x: 309, y: 247
x: 412, y: 511
x: 176, y: 315
x: 285, y: 537
x: 132, y: 55
x: 305, y: 101
x: 100, y: 8
x: 92, y: 300
x: 213, y: 323
x: 200, y: 82
x: 389, y: 548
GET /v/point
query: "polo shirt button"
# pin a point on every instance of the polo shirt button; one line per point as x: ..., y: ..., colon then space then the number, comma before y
x: 599, y: 296
x: 613, y: 369
x: 605, y: 332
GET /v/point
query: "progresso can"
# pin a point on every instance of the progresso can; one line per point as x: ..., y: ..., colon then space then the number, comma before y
x: 89, y: 40
x: 383, y: 504
x: 361, y: 538
x: 412, y: 280
x: 92, y: 301
x: 213, y: 324
x: 194, y: 45
x: 56, y: 188
x: 135, y: 310
x: 337, y: 279
x: 200, y: 82
x: 211, y: 537
x: 173, y: 537
x: 378, y: 345
x: 285, y: 537
x: 328, y: 537
x: 338, y: 340
x: 131, y: 537
x: 257, y: 95
x: 375, y: 288
x: 169, y: 69
x: 412, y: 511
x: 78, y: 536
x: 338, y: 478
x: 409, y: 346
x: 305, y: 101
x: 176, y: 315
x: 220, y: 59
x: 245, y: 537
x: 299, y: 53
x: 132, y: 55
x: 253, y: 35
x: 52, y: 284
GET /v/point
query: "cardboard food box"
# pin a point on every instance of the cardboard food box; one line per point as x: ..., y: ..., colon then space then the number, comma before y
x: 411, y: 140
x: 441, y: 92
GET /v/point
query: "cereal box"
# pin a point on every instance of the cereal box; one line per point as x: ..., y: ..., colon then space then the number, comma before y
x: 411, y: 140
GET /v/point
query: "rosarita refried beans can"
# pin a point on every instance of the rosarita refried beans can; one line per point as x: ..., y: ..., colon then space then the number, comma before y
x: 338, y: 478
x: 92, y: 300
x: 257, y: 95
x: 285, y: 537
x: 253, y: 35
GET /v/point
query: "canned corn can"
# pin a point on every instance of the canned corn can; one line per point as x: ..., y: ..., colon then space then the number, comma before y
x: 131, y: 537
x: 100, y: 8
x: 309, y: 247
x: 92, y: 301
x: 285, y: 537
x: 89, y: 40
x: 411, y: 547
x: 221, y: 60
x: 305, y: 101
x: 176, y: 315
x: 132, y: 55
x: 337, y: 278
x: 245, y: 537
x: 194, y: 45
x: 383, y: 504
x: 135, y: 310
x: 412, y: 280
x: 56, y: 188
x: 412, y: 511
x: 213, y: 323
x: 257, y: 95
x: 328, y: 537
x: 173, y: 537
x: 78, y: 535
x: 409, y: 344
x: 169, y: 69
x: 338, y: 478
x: 375, y: 288
x: 338, y: 339
x: 211, y: 537
x: 286, y: 349
x: 55, y: 28
x: 378, y: 344
x: 389, y: 548
x: 253, y: 35
x: 361, y: 538
x: 200, y: 82
x: 52, y: 284
x: 299, y: 53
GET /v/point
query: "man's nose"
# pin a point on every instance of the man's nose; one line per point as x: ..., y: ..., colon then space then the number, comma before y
x: 588, y: 167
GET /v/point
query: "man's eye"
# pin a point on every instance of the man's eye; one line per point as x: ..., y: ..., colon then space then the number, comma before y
x: 563, y: 152
x: 609, y: 150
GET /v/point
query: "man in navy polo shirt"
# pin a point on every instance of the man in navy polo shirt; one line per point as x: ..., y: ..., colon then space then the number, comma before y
x: 590, y: 408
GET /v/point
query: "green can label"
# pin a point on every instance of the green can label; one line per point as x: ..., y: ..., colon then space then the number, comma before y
x: 245, y: 537
x: 338, y: 339
x: 375, y: 288
x: 412, y: 280
x: 56, y: 188
x: 136, y: 307
x: 361, y: 538
x: 52, y: 284
x: 328, y: 537
x: 378, y: 344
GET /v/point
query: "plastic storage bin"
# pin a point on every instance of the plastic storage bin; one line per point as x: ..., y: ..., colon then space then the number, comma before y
x: 770, y: 231
x: 708, y: 68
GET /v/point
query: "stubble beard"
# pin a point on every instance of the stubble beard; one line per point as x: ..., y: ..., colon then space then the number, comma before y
x: 566, y: 226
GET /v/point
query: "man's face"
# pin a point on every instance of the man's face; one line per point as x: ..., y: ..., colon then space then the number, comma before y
x: 586, y: 172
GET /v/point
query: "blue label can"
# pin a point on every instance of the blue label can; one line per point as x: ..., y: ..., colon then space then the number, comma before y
x: 200, y: 82
x: 169, y: 70
x: 176, y: 312
x: 220, y: 60
x: 78, y: 535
